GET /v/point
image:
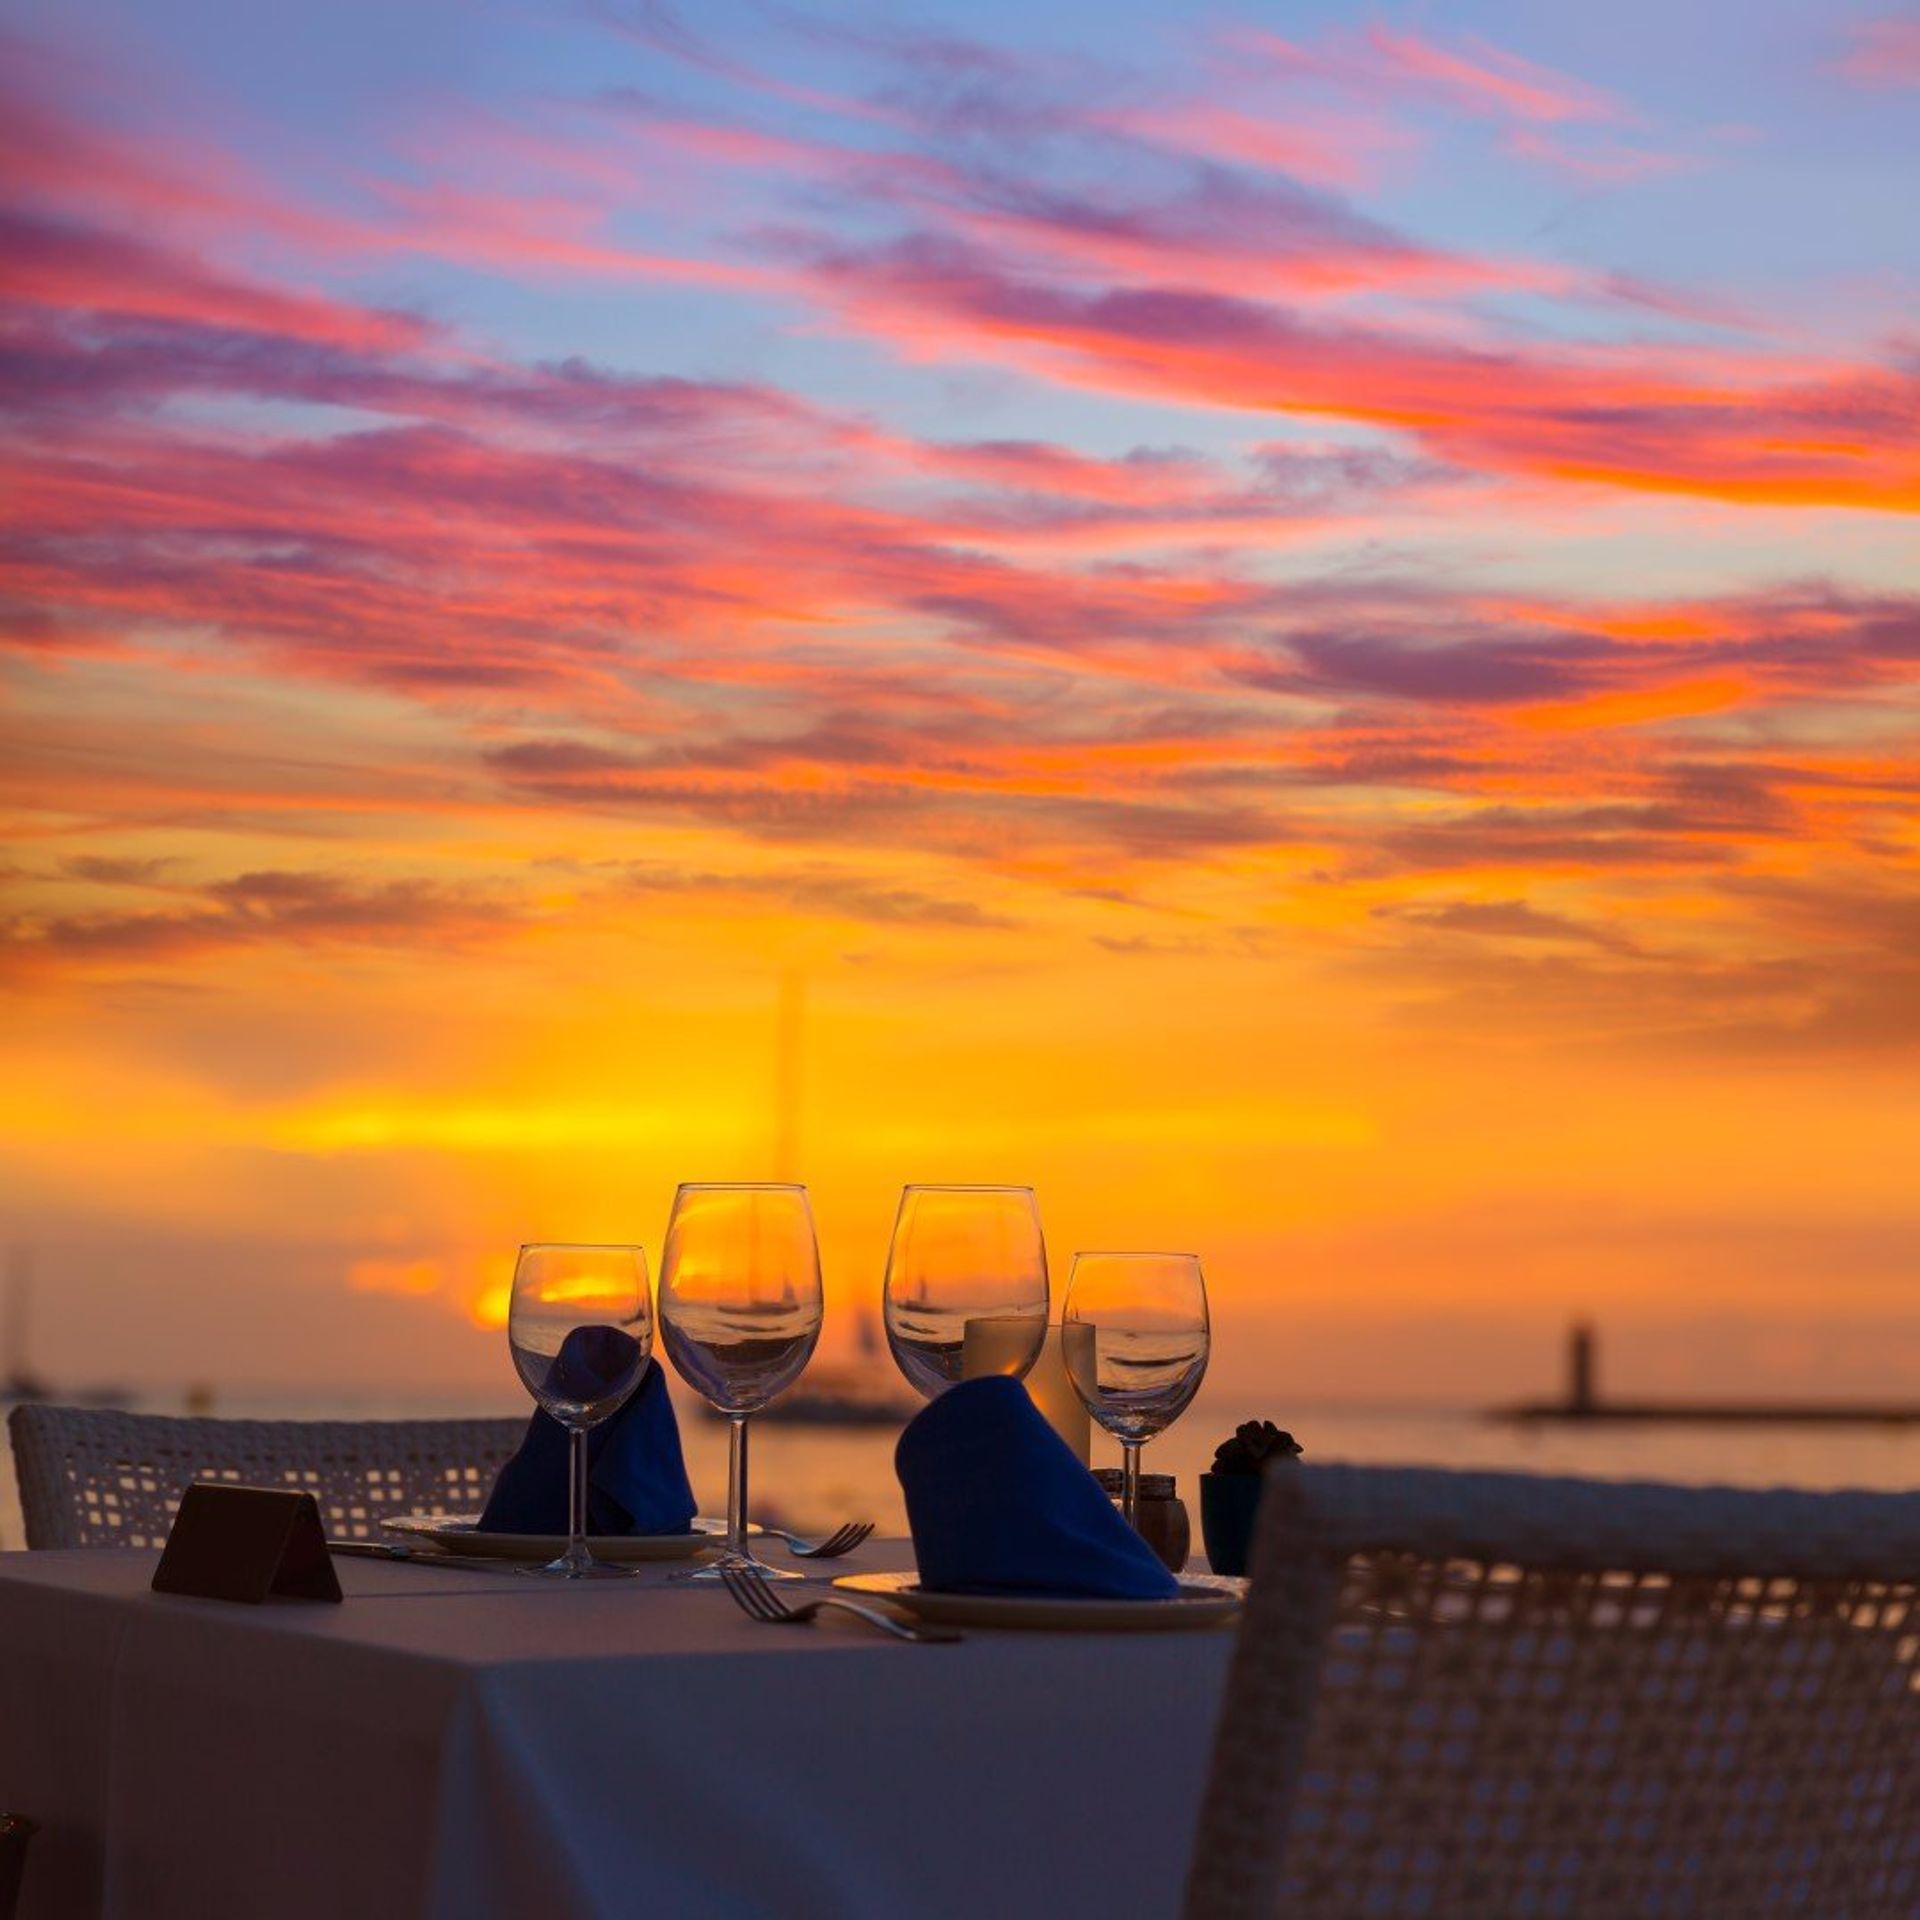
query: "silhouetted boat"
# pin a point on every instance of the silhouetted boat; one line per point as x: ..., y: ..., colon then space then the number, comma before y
x: 852, y: 1393
x: 18, y: 1379
x: 843, y: 1397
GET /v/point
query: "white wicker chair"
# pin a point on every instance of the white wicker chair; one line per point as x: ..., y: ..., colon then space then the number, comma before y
x: 1484, y: 1695
x: 97, y: 1479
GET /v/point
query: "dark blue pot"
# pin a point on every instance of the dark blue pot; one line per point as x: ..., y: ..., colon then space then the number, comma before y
x: 1229, y: 1505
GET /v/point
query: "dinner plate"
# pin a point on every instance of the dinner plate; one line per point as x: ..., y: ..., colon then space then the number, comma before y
x: 460, y: 1533
x: 1204, y: 1600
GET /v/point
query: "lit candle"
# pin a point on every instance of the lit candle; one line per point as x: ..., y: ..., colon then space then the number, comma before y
x: 998, y: 1346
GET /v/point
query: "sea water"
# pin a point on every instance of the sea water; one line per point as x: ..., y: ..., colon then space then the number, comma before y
x: 811, y: 1478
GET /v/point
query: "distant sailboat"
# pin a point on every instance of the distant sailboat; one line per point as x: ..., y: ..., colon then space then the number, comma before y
x: 861, y: 1391
x: 848, y: 1393
x: 18, y: 1378
x: 18, y: 1381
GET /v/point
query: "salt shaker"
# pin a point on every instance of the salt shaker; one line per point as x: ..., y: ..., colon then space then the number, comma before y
x: 1163, y: 1522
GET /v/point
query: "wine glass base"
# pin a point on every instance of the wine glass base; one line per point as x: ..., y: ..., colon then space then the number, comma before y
x: 708, y: 1573
x: 564, y: 1569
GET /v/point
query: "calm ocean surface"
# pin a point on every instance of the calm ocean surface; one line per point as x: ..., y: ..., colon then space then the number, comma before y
x: 808, y: 1477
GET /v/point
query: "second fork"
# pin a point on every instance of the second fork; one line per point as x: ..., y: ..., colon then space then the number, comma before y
x: 759, y: 1600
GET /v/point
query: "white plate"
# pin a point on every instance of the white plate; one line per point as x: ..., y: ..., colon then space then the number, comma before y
x: 1204, y: 1600
x: 460, y: 1533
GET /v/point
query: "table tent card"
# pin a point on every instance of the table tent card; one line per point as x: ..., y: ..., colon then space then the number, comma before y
x: 246, y: 1543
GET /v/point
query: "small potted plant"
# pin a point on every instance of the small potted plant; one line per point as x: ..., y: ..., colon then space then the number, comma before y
x: 1230, y: 1494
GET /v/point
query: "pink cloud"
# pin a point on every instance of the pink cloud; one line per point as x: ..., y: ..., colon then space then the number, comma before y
x: 1602, y: 164
x: 1486, y: 79
x: 598, y: 594
x: 1331, y: 150
x: 1750, y: 427
x: 64, y: 266
x: 60, y: 164
x: 1882, y: 53
x: 530, y: 235
x: 195, y: 198
x: 1477, y: 79
x: 660, y: 29
x: 1546, y: 117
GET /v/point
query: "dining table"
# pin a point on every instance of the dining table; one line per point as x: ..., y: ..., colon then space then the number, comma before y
x: 462, y: 1744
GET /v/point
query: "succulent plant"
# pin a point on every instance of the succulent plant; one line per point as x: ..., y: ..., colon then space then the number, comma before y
x: 1255, y: 1445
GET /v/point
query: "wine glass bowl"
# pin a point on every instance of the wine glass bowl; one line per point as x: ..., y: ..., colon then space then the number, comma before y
x: 740, y: 1304
x: 1146, y: 1350
x: 587, y: 1378
x: 740, y: 1313
x: 580, y: 1328
x: 739, y: 1358
x: 964, y: 1256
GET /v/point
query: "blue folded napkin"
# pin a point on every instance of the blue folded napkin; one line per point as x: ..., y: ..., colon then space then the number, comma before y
x: 998, y: 1503
x: 636, y: 1477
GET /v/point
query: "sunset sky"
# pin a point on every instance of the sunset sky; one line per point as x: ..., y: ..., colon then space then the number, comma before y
x: 1299, y: 626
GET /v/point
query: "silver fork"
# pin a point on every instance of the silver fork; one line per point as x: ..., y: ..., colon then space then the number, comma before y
x: 420, y: 1557
x: 760, y: 1600
x: 841, y: 1540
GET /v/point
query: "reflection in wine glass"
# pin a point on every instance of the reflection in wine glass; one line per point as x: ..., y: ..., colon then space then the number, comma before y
x: 961, y: 1257
x: 1148, y: 1354
x: 740, y: 1311
x: 580, y: 1326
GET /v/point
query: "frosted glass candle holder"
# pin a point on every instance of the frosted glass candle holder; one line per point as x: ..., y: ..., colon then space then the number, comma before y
x: 997, y: 1346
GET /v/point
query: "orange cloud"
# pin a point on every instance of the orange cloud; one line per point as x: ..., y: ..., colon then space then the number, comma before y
x: 625, y: 606
x: 1290, y: 725
x: 395, y: 1276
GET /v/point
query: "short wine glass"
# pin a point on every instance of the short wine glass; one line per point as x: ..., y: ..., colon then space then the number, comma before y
x: 580, y: 1325
x: 740, y: 1312
x: 1147, y: 1352
x: 966, y: 1282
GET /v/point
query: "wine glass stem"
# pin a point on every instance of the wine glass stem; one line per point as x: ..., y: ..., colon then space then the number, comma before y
x: 576, y: 1499
x: 1130, y: 1481
x: 737, y: 1486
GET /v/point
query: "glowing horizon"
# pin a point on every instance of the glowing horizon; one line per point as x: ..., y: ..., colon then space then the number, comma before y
x: 1304, y: 637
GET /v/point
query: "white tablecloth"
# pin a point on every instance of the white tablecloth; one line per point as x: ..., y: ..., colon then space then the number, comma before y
x: 464, y: 1745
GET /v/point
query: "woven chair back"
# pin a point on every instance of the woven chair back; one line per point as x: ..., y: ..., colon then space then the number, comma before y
x: 1462, y: 1696
x: 90, y: 1478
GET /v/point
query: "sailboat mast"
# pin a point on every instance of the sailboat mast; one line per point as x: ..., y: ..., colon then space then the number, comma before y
x: 14, y: 1363
x: 789, y: 1040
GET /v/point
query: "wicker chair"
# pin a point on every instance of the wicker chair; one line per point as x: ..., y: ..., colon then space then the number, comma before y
x: 1484, y: 1695
x: 94, y: 1479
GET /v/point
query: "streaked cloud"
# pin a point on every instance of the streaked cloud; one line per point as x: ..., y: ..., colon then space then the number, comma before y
x: 248, y: 910
x: 1474, y: 76
x: 1234, y: 613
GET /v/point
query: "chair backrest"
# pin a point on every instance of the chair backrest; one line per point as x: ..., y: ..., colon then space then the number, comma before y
x: 1466, y: 1694
x: 96, y: 1479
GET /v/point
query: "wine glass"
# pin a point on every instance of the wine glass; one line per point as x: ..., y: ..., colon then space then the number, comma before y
x: 740, y: 1311
x: 1145, y: 1353
x: 960, y: 1257
x: 581, y: 1329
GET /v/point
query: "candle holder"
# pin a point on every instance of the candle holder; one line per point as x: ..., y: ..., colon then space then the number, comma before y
x: 993, y: 1346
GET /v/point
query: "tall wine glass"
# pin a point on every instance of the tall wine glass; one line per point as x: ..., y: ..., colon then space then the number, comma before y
x: 960, y: 1256
x: 1147, y: 1354
x: 581, y: 1329
x: 740, y: 1311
